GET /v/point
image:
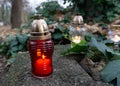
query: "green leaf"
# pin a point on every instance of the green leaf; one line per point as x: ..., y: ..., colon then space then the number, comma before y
x: 11, y: 60
x: 22, y: 38
x: 20, y: 47
x: 14, y: 49
x: 101, y: 47
x: 118, y: 80
x: 88, y: 37
x: 108, y: 41
x: 112, y: 55
x: 1, y: 50
x: 108, y: 52
x: 116, y: 56
x: 14, y: 42
x: 82, y: 43
x: 111, y: 72
x: 57, y: 36
x: 76, y: 49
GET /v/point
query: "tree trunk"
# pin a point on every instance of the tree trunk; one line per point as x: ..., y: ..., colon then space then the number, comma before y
x: 2, y: 12
x: 16, y: 13
x: 86, y: 6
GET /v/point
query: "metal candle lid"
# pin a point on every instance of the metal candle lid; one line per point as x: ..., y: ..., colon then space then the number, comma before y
x: 78, y: 19
x: 39, y: 30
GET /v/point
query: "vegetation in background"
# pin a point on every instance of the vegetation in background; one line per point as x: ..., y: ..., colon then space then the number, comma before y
x: 96, y: 10
x: 49, y: 9
x: 52, y: 12
x: 98, y: 51
x: 92, y: 10
x: 12, y: 44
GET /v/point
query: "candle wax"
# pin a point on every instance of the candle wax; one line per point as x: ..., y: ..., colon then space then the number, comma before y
x: 43, y: 66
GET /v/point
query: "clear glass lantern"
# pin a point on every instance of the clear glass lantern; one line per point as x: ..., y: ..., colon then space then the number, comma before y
x: 77, y: 30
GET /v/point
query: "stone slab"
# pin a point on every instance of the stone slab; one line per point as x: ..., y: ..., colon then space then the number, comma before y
x: 67, y: 72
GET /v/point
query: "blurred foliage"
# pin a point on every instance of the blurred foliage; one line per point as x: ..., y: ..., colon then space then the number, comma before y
x: 91, y: 47
x: 52, y: 10
x: 60, y: 35
x: 111, y: 72
x: 95, y: 11
x: 49, y: 9
x: 105, y: 10
x: 97, y: 51
x: 12, y: 44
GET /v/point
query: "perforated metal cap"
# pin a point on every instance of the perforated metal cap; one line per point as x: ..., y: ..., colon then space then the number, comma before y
x: 39, y: 29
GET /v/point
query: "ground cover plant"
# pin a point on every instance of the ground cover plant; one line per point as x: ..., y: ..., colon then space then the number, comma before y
x: 97, y: 51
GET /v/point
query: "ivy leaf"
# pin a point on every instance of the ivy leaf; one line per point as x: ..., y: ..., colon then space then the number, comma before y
x: 118, y: 80
x: 14, y: 49
x: 88, y: 37
x: 11, y: 60
x: 112, y: 55
x: 116, y: 55
x: 20, y: 47
x: 13, y: 42
x: 111, y: 72
x: 76, y: 49
x: 22, y: 38
x: 57, y: 36
x: 101, y: 47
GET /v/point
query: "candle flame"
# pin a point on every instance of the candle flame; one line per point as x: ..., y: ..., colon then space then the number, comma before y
x: 76, y: 39
x: 43, y: 56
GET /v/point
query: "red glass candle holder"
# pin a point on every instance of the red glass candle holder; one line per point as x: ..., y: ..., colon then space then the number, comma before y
x: 41, y: 52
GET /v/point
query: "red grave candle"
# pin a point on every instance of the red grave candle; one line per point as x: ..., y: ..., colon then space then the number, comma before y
x: 41, y: 57
x: 40, y: 48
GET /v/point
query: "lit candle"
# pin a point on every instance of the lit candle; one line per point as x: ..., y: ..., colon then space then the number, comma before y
x: 43, y: 65
x: 40, y: 48
x: 76, y: 39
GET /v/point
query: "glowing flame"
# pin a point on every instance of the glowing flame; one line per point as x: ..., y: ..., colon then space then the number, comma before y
x: 43, y: 56
x: 76, y: 39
